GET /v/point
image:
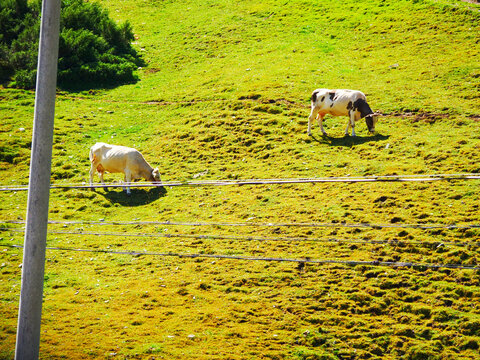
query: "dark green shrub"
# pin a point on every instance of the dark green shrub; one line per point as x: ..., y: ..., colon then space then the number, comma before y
x: 19, y: 28
x: 91, y: 45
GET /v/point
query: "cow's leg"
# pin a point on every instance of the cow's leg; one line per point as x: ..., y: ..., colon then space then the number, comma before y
x: 320, y: 122
x: 92, y: 171
x: 351, y: 122
x: 128, y: 179
x: 313, y: 115
x: 348, y: 127
x: 100, y: 175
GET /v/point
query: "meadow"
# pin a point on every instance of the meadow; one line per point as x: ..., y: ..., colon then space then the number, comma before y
x: 225, y: 94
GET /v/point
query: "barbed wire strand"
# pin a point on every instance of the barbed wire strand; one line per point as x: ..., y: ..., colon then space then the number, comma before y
x: 269, y: 259
x: 345, y: 179
x: 255, y: 224
x: 260, y: 239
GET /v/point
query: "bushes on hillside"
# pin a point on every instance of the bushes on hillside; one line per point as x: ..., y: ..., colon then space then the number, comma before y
x: 93, y: 49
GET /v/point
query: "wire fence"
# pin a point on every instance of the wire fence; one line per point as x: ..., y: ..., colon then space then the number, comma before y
x: 261, y: 239
x: 258, y: 238
x: 268, y: 259
x: 390, y: 178
x: 231, y: 182
x: 256, y: 224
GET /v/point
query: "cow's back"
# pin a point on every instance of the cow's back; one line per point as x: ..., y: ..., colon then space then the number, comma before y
x: 345, y: 95
x: 345, y: 100
x: 336, y: 102
x: 112, y: 158
x: 135, y: 162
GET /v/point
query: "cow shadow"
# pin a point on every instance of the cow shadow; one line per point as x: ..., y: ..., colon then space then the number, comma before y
x: 138, y: 197
x: 348, y: 141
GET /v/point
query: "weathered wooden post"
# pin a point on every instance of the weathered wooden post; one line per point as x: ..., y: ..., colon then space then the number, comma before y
x: 31, y: 296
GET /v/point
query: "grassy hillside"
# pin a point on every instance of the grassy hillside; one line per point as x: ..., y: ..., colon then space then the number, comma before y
x: 225, y: 95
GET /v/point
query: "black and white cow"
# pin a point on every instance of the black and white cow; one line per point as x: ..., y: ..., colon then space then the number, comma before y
x: 351, y: 103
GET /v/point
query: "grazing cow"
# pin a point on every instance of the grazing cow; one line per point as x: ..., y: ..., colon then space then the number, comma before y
x: 121, y: 159
x: 351, y: 103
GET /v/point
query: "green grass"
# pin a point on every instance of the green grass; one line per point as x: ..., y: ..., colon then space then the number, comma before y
x: 225, y: 95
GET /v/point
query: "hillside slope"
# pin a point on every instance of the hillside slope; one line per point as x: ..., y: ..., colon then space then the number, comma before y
x: 225, y: 95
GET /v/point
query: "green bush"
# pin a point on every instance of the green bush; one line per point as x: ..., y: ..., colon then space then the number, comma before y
x: 91, y: 45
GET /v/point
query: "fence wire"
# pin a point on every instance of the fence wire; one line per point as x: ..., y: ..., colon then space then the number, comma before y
x: 391, y: 178
x: 268, y: 259
x: 394, y: 242
x: 229, y: 182
x: 257, y: 224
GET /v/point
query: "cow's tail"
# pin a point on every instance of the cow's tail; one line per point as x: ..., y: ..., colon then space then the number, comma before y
x: 314, y: 97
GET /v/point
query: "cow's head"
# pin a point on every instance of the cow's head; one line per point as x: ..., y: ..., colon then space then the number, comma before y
x: 155, y: 175
x: 371, y: 120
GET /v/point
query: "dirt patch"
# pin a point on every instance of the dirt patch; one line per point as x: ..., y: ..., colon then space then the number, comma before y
x: 428, y: 117
x: 149, y: 70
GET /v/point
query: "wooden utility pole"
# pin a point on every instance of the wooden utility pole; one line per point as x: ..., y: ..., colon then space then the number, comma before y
x: 33, y: 269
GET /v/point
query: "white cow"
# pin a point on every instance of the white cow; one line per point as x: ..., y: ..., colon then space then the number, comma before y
x: 121, y: 159
x: 351, y: 103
